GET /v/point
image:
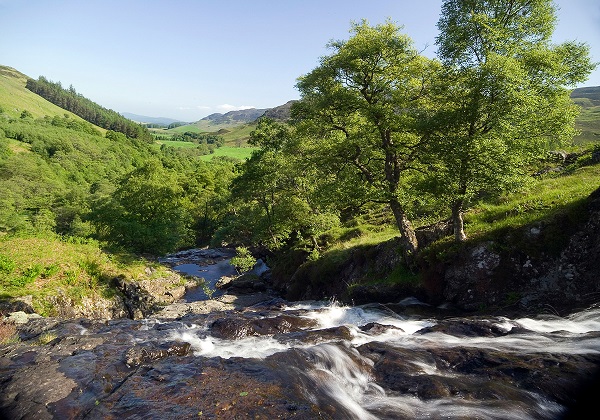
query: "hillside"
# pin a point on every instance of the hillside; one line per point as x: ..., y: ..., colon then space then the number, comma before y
x: 240, y: 116
x: 16, y: 98
x: 588, y: 98
x: 61, y: 175
x: 234, y: 126
x: 281, y: 112
x: 592, y: 93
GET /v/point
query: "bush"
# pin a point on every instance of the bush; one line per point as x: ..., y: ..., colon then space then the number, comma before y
x: 6, y: 264
x: 243, y: 260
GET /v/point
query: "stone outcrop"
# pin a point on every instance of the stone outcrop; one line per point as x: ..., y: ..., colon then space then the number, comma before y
x: 488, y: 275
x: 93, y: 369
x: 142, y: 298
x: 135, y: 299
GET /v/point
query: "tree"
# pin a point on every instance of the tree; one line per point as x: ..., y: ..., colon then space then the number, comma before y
x: 504, y: 97
x: 274, y: 196
x: 145, y: 214
x: 363, y: 103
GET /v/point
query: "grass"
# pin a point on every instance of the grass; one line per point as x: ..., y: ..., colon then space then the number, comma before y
x: 42, y: 266
x: 544, y: 199
x: 238, y: 135
x: 175, y: 143
x: 555, y: 206
x: 556, y: 202
x: 234, y: 134
x: 240, y: 153
x: 15, y: 97
x: 588, y: 121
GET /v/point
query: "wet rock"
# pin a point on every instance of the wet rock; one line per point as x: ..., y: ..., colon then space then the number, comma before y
x: 483, y: 375
x: 232, y: 328
x: 144, y: 369
x: 150, y: 352
x: 374, y: 328
x: 197, y: 256
x: 471, y: 327
x: 325, y: 335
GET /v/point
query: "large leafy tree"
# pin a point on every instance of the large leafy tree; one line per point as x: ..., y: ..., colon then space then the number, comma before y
x: 274, y: 197
x: 362, y: 106
x: 146, y: 212
x: 504, y: 98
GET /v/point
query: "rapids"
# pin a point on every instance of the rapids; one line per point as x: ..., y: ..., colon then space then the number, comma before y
x: 303, y: 360
x: 344, y: 369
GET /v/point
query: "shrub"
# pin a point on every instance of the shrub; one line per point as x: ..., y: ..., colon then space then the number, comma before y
x: 243, y: 260
x: 6, y: 264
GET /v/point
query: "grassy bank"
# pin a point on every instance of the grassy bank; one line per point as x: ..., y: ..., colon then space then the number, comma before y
x: 555, y: 202
x: 38, y: 268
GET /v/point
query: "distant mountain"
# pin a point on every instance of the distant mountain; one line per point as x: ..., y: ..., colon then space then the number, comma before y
x: 281, y: 112
x: 149, y: 120
x: 592, y: 93
x: 241, y: 116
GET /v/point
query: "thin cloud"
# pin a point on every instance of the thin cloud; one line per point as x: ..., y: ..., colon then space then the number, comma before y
x: 227, y: 107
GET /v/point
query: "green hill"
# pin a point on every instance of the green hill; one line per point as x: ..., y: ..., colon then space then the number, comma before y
x: 588, y: 122
x: 592, y: 93
x: 70, y: 191
x: 16, y: 98
x: 234, y: 127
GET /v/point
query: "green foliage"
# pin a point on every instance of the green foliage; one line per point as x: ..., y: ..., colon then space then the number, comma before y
x: 145, y: 213
x: 26, y: 114
x: 364, y: 104
x: 48, y: 168
x: 42, y: 266
x: 27, y: 276
x: 243, y: 260
x: 503, y: 100
x: 7, y: 265
x: 70, y: 100
x: 275, y: 197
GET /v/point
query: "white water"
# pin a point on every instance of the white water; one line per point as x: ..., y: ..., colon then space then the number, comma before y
x: 340, y: 372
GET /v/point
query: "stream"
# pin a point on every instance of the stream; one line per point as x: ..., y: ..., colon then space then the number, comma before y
x: 304, y: 360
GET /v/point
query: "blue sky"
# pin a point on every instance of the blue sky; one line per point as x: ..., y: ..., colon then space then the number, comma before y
x: 185, y: 59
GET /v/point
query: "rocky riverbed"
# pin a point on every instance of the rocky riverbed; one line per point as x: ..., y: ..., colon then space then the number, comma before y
x: 247, y: 353
x: 305, y: 360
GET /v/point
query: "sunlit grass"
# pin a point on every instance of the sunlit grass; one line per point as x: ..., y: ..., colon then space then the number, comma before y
x: 240, y: 153
x: 542, y: 200
x: 40, y: 267
x: 15, y: 97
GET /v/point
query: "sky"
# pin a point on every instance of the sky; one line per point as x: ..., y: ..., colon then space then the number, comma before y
x: 186, y: 59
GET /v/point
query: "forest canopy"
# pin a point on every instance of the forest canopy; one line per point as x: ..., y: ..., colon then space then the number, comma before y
x: 380, y: 132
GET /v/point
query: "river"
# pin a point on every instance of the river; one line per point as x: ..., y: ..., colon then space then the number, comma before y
x: 304, y: 360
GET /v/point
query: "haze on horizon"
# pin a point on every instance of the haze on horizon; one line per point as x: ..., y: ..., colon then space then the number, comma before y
x: 186, y: 59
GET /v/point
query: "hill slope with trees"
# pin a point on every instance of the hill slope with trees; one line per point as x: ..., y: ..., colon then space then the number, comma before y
x: 71, y: 185
x: 384, y: 144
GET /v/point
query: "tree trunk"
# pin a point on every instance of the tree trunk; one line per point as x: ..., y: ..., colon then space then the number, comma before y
x: 410, y: 245
x: 458, y: 222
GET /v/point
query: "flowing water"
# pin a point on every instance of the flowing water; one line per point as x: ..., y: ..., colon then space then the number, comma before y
x: 210, y: 273
x: 371, y: 362
x: 345, y: 355
x: 303, y: 360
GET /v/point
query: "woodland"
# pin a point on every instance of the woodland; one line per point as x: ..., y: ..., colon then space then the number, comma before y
x: 383, y: 140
